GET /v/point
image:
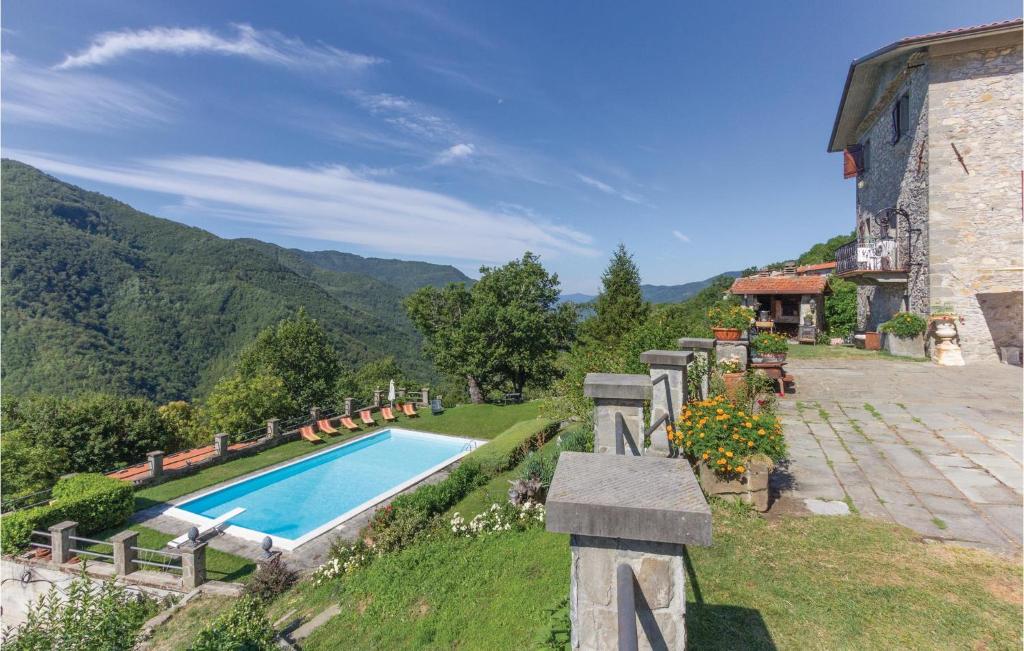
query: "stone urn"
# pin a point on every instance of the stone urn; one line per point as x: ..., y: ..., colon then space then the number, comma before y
x: 946, y: 352
x: 749, y: 488
x: 727, y: 334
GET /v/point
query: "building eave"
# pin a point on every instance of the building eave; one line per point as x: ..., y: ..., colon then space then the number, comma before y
x: 837, y: 143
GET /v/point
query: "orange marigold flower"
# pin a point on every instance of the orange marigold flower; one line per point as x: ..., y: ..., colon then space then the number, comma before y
x: 740, y: 468
x: 729, y: 454
x: 721, y: 449
x: 704, y: 456
x: 750, y: 444
x: 720, y: 411
x: 721, y: 462
x: 747, y: 424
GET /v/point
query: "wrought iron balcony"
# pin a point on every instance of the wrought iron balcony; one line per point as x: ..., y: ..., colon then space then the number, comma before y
x: 878, y: 260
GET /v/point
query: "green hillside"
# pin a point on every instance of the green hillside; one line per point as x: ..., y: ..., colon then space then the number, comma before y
x: 98, y: 295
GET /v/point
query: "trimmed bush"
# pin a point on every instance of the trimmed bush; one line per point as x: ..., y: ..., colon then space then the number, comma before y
x: 511, y: 446
x: 94, y: 501
x: 905, y: 325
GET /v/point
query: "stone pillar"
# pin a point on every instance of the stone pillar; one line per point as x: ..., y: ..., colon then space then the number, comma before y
x: 349, y: 404
x: 673, y: 364
x: 314, y: 415
x: 60, y: 541
x: 220, y: 444
x: 401, y: 394
x: 156, y: 464
x: 615, y: 393
x: 274, y: 428
x: 425, y: 396
x: 703, y: 348
x: 124, y: 555
x: 633, y: 511
x: 193, y: 564
x: 377, y: 395
x: 733, y: 350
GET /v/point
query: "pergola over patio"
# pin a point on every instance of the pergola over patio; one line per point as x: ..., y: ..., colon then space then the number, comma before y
x: 790, y: 304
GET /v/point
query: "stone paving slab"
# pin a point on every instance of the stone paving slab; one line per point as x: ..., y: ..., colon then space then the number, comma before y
x: 934, y: 449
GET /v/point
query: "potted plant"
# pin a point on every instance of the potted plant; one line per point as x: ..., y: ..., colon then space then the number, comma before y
x: 904, y: 334
x: 732, y: 374
x: 770, y: 347
x: 733, y: 450
x: 729, y: 321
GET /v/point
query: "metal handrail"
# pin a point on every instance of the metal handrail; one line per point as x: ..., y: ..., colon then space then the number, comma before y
x: 625, y: 602
x: 91, y: 553
x: 92, y: 540
x: 167, y: 566
x: 157, y: 551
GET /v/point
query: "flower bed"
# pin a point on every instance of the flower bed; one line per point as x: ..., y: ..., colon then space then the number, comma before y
x: 905, y: 325
x: 770, y: 346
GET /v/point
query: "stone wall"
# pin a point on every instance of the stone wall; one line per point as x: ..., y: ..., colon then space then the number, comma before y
x: 896, y: 175
x: 975, y: 226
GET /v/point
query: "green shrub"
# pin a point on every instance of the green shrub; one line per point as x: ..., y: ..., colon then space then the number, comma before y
x: 86, y: 617
x: 905, y: 325
x: 770, y: 343
x: 736, y: 317
x: 579, y: 439
x: 841, y: 307
x: 507, y: 449
x: 271, y: 579
x: 243, y: 628
x: 94, y: 501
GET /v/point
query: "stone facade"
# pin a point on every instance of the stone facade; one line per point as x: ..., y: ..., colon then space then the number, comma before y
x: 962, y: 244
x: 896, y: 175
x: 975, y: 213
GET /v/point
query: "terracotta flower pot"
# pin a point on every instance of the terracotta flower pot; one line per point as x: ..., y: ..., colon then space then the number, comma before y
x: 750, y: 488
x: 727, y: 334
x: 732, y: 383
x: 873, y: 341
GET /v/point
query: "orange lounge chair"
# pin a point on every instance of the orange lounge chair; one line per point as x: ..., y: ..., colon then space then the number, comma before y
x: 308, y: 434
x: 367, y: 418
x: 409, y: 410
x: 325, y: 426
x: 388, y: 415
x: 347, y: 423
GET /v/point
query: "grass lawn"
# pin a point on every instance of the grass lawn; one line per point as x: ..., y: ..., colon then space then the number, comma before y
x: 791, y: 582
x: 220, y: 566
x: 478, y: 421
x: 805, y: 351
x: 179, y: 632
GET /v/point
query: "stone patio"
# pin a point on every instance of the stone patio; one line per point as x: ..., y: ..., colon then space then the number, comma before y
x: 932, y: 448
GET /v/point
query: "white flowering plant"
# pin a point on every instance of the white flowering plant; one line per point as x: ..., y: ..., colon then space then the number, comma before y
x: 498, y: 518
x: 345, y: 559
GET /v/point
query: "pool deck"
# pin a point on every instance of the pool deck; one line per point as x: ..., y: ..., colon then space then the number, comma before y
x: 307, y: 556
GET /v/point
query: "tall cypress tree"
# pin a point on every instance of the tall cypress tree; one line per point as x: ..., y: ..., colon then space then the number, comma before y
x: 620, y: 307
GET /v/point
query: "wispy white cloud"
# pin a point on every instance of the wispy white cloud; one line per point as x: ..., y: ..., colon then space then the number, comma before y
x: 601, y: 186
x: 259, y: 45
x: 78, y: 100
x: 679, y: 236
x: 455, y: 153
x: 409, y: 116
x: 333, y: 204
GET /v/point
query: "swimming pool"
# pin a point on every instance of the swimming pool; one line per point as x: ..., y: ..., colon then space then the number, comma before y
x: 296, y: 502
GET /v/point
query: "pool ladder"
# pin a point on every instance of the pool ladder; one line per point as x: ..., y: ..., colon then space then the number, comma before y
x: 469, y: 446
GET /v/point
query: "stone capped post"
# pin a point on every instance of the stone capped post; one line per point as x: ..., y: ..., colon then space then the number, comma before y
x: 220, y: 445
x: 671, y: 363
x: 378, y: 395
x: 156, y: 464
x: 274, y: 428
x: 401, y: 394
x: 349, y: 404
x: 613, y: 394
x: 425, y: 396
x: 633, y: 513
x: 193, y: 564
x: 124, y: 555
x: 314, y: 415
x: 60, y: 541
x: 703, y: 348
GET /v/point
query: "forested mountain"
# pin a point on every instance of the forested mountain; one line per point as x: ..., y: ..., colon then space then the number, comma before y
x: 98, y: 295
x: 661, y: 293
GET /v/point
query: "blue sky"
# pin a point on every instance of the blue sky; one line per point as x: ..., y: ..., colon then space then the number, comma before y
x: 463, y: 133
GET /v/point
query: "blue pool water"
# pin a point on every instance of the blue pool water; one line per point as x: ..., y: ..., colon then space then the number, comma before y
x: 299, y: 498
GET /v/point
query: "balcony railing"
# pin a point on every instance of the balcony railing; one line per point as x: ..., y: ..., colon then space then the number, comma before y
x: 874, y: 255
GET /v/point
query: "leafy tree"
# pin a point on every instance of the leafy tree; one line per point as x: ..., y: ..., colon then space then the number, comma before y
x: 825, y: 251
x: 370, y: 376
x: 841, y: 308
x: 298, y: 351
x: 620, y: 306
x: 183, y: 421
x: 92, y: 432
x: 88, y: 617
x: 238, y: 404
x: 507, y: 328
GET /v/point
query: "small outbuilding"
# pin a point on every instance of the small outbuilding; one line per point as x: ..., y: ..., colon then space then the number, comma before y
x: 786, y: 303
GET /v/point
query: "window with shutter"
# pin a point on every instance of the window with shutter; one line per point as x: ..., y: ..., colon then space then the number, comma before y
x: 895, y: 123
x: 904, y: 115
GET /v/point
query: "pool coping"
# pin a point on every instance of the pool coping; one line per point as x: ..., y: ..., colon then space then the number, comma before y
x: 292, y: 545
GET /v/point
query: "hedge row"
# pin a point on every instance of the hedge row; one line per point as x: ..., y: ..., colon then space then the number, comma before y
x: 94, y: 501
x: 396, y: 525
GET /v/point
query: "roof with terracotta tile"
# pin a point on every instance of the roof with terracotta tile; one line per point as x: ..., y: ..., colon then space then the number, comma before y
x: 779, y: 285
x: 816, y: 267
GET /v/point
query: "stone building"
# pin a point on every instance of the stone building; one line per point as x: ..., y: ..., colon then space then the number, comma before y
x: 931, y: 127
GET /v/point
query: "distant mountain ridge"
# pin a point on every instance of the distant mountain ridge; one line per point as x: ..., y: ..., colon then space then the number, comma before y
x: 98, y: 295
x: 661, y: 293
